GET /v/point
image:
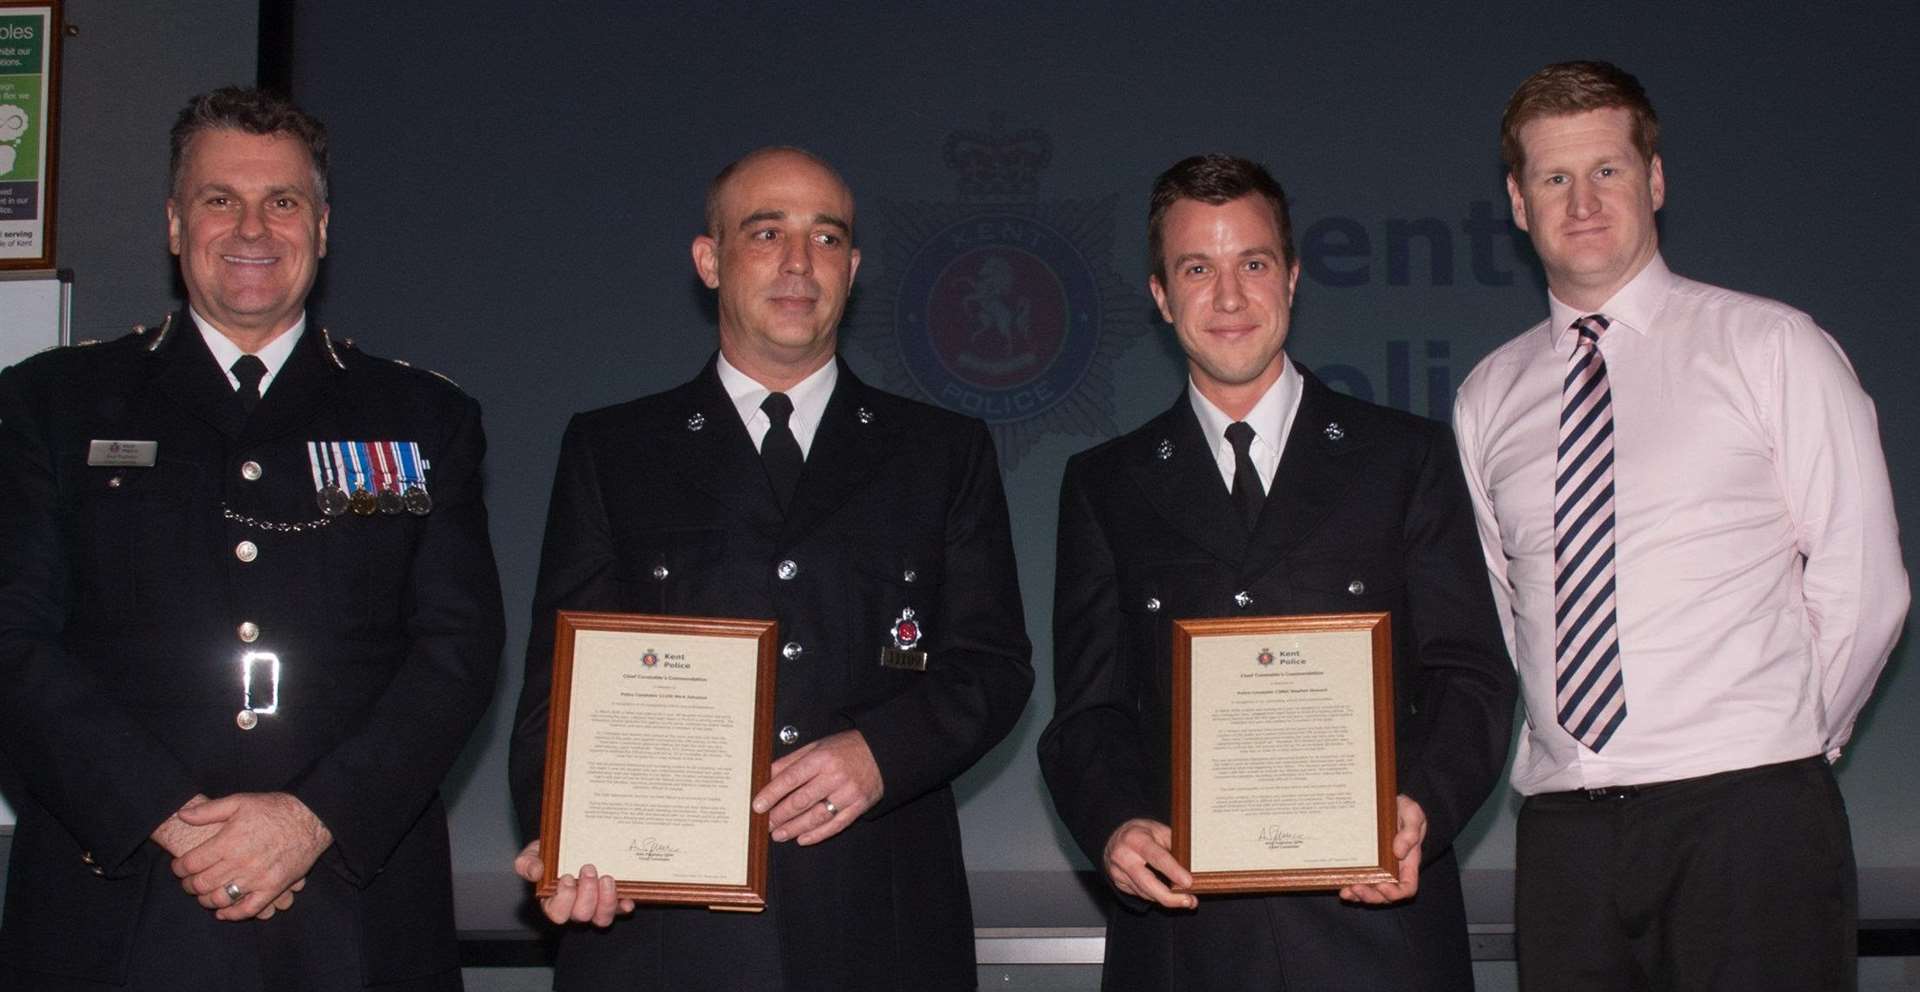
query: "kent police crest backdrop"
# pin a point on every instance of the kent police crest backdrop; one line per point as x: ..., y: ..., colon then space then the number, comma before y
x: 516, y: 185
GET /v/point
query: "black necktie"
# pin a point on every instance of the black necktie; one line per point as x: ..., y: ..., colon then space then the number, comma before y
x: 778, y: 450
x: 249, y: 369
x: 1247, y: 493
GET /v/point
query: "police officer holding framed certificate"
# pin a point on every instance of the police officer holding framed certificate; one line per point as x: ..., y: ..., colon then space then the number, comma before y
x: 777, y: 485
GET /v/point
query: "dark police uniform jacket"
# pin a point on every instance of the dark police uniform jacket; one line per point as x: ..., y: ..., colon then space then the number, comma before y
x: 123, y: 596
x: 1368, y: 512
x: 661, y: 505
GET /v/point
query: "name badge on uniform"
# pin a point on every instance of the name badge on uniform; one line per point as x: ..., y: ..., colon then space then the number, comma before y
x: 907, y: 633
x: 124, y: 454
x: 368, y: 477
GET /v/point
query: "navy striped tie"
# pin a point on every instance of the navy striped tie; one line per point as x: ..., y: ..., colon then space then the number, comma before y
x: 1589, y: 689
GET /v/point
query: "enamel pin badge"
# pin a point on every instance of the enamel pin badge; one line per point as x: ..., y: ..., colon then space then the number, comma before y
x: 907, y: 634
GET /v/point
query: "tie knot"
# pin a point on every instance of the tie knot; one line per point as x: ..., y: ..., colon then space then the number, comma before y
x: 778, y: 407
x: 1591, y: 327
x: 249, y: 369
x: 1240, y: 435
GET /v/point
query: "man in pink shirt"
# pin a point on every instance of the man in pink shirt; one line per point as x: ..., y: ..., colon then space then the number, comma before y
x: 1686, y: 514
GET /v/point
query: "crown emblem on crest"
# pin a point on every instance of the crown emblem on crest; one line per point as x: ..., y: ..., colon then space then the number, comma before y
x: 1266, y: 656
x: 998, y: 164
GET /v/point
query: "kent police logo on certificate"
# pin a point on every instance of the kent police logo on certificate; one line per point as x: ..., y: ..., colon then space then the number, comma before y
x: 1000, y: 305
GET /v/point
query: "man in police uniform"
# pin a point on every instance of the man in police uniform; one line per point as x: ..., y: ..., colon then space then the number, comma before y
x: 1263, y: 492
x: 248, y: 617
x: 776, y: 484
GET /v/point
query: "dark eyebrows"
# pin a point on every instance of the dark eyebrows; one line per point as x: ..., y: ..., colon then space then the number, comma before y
x: 1262, y: 251
x: 759, y: 215
x: 217, y: 188
x: 764, y: 215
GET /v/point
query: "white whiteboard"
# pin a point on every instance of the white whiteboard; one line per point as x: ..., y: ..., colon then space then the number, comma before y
x: 35, y: 309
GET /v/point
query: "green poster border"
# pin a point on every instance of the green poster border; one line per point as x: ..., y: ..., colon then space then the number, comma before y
x: 48, y: 126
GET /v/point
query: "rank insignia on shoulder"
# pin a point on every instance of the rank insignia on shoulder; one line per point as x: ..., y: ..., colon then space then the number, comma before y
x: 369, y: 477
x: 907, y: 634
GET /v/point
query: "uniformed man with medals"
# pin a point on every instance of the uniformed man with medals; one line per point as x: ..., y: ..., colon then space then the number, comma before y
x: 873, y: 529
x: 248, y: 616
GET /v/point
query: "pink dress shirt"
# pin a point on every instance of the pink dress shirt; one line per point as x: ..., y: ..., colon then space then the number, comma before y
x: 1760, y: 583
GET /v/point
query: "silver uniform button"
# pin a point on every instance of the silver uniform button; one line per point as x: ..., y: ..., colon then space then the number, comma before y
x: 792, y: 650
x: 660, y: 573
x: 114, y: 483
x: 1242, y: 600
x: 249, y: 631
x: 246, y: 720
x: 246, y: 551
x: 1153, y: 604
x: 786, y: 570
x: 909, y: 576
x: 788, y: 734
x: 250, y: 471
x: 1356, y: 587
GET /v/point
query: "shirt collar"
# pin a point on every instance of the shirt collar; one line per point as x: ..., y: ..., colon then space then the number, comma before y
x: 809, y: 397
x: 1633, y: 306
x: 1267, y: 418
x: 274, y: 356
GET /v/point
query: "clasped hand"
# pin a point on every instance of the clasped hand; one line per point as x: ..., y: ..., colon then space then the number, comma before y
x: 261, y: 843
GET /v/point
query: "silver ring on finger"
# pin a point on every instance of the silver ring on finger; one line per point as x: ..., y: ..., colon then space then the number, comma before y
x: 234, y: 892
x: 831, y: 808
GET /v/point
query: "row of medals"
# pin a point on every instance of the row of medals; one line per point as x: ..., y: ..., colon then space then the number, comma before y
x: 335, y: 501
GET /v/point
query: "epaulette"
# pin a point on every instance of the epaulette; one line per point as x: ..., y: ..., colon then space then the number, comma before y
x: 326, y: 340
x: 159, y: 334
x: 348, y: 344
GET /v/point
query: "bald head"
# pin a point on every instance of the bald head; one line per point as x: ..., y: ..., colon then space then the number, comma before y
x: 779, y: 157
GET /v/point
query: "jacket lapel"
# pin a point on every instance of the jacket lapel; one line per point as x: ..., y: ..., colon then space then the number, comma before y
x: 712, y: 446
x: 188, y: 375
x: 308, y: 379
x: 1173, y: 464
x: 849, y: 447
x: 1315, y: 471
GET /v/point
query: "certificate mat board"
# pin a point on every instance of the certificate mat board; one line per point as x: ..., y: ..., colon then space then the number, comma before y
x: 1283, y: 760
x: 659, y: 733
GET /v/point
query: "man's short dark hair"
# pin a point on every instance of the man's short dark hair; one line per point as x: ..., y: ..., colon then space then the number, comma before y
x: 253, y: 111
x: 719, y: 181
x: 1565, y: 88
x: 1214, y: 179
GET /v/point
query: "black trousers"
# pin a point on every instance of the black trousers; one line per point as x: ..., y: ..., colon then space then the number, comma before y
x: 1742, y: 880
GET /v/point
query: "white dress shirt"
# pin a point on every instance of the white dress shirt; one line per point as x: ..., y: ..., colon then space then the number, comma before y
x: 809, y: 398
x: 273, y: 356
x: 1271, y: 419
x: 1759, y: 578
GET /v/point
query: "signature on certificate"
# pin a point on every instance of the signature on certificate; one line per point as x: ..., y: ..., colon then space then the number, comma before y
x: 1277, y: 839
x: 649, y: 849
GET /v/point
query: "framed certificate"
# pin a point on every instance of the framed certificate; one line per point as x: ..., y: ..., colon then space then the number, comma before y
x: 659, y: 733
x: 1283, y: 774
x: 29, y: 135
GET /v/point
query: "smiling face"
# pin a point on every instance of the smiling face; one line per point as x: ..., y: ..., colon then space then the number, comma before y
x: 1587, y: 197
x: 781, y: 256
x: 250, y: 231
x: 1228, y: 292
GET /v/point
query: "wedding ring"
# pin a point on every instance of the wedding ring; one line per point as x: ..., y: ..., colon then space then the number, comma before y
x: 234, y: 893
x: 831, y: 808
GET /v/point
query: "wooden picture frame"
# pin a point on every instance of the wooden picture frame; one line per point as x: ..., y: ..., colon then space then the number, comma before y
x: 660, y: 731
x: 1297, y: 789
x: 29, y: 130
